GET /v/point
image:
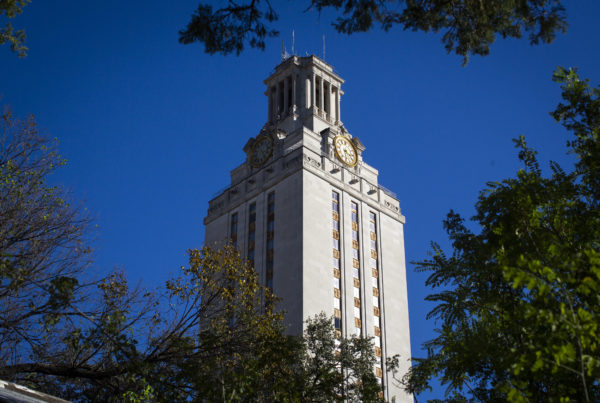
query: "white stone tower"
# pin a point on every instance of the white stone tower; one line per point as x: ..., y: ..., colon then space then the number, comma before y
x: 308, y: 212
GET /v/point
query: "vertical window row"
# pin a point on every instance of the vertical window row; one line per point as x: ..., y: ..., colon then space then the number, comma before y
x: 270, y: 237
x: 356, y: 270
x: 337, y: 294
x: 251, y: 232
x: 233, y: 230
x: 376, y: 298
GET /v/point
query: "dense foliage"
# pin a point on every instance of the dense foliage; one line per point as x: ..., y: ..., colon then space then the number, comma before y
x: 469, y: 27
x: 518, y: 304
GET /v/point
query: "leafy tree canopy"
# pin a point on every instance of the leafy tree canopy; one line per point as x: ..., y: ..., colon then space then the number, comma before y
x: 10, y: 9
x: 469, y: 27
x: 518, y: 304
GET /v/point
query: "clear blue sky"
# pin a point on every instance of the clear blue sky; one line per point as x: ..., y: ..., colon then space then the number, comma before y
x: 151, y: 128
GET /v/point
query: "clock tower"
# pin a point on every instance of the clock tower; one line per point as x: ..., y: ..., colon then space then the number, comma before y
x: 310, y: 215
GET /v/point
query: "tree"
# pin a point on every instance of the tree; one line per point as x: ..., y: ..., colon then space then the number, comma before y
x: 43, y: 250
x: 469, y: 26
x: 333, y: 368
x: 519, y: 302
x: 10, y: 9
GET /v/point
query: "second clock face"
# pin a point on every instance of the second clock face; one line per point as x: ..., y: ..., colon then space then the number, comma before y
x: 345, y: 151
x: 261, y: 151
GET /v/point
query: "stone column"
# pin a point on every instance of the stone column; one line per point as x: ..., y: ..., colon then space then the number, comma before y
x: 337, y: 105
x: 293, y: 89
x: 313, y: 92
x: 307, y: 91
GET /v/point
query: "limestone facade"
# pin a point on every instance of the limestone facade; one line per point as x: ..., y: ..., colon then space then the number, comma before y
x: 283, y: 213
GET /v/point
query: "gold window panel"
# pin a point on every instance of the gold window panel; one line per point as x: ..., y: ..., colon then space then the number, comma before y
x: 375, y: 273
x: 336, y: 217
x: 354, y: 244
x: 378, y: 372
x: 373, y: 254
x: 376, y: 311
x: 337, y: 313
x: 375, y: 292
x: 354, y: 226
x: 373, y: 236
x: 337, y: 293
x: 378, y: 351
x: 336, y: 253
x: 356, y: 282
x: 357, y: 302
x: 355, y: 263
x: 336, y: 273
x: 336, y: 234
x: 357, y: 322
x: 377, y: 332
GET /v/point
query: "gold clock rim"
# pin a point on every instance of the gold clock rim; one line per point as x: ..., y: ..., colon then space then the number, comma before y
x: 337, y: 154
x: 258, y: 141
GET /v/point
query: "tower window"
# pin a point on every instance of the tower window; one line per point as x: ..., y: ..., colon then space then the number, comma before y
x: 335, y: 210
x: 234, y: 229
x: 251, y: 231
x: 289, y: 93
x: 318, y: 92
x: 270, y: 237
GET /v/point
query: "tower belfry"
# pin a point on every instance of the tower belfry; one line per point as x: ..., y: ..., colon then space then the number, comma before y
x: 308, y: 212
x: 304, y: 91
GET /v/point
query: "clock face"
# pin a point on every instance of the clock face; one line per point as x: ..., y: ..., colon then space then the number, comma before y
x: 261, y: 151
x: 345, y: 151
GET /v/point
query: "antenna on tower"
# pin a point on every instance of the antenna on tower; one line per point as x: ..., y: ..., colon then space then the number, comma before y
x: 284, y: 53
x: 323, y: 47
x: 293, y: 42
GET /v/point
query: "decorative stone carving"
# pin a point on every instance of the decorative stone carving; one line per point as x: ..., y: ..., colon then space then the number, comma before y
x: 308, y: 161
